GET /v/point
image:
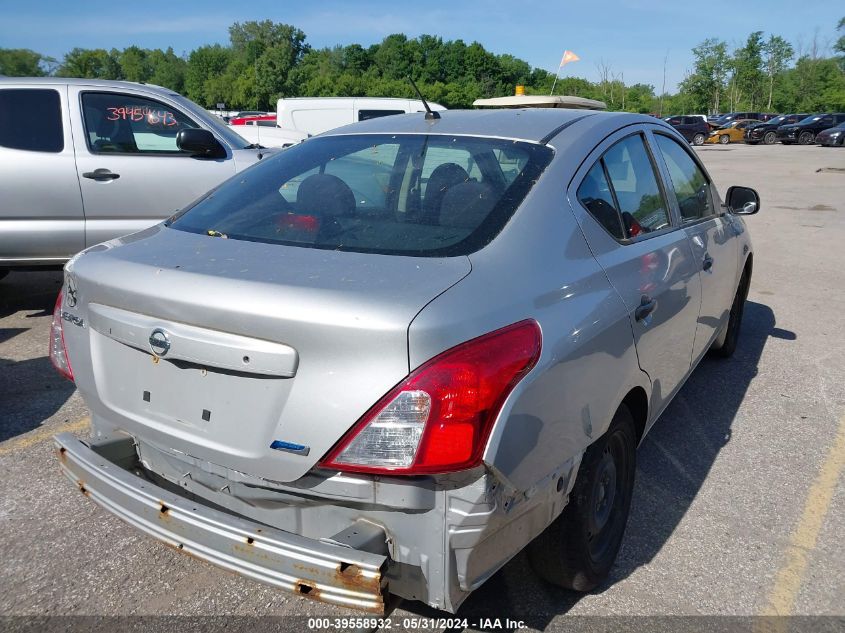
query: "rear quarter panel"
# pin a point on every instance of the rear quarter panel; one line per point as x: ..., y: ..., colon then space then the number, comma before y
x: 540, y: 267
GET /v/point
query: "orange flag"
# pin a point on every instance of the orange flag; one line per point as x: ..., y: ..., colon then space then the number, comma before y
x: 568, y: 56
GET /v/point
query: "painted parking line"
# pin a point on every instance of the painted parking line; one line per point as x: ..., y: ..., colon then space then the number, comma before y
x: 781, y: 600
x: 42, y: 434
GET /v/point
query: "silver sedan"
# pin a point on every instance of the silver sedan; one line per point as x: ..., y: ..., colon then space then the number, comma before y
x: 386, y: 360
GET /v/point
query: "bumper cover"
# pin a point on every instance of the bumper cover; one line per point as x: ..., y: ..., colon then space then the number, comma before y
x: 330, y: 573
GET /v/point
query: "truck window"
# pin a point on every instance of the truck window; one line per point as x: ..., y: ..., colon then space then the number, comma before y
x: 31, y: 119
x: 364, y: 115
x: 119, y: 123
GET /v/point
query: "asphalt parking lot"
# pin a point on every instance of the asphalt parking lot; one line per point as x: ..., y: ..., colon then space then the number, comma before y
x: 739, y: 507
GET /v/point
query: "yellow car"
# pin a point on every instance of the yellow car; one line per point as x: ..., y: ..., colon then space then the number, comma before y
x: 733, y: 132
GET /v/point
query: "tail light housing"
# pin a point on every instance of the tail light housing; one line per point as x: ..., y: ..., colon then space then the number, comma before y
x: 438, y: 419
x: 58, y: 351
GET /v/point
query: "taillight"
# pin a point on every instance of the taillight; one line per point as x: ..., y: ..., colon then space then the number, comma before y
x: 439, y: 418
x: 58, y: 351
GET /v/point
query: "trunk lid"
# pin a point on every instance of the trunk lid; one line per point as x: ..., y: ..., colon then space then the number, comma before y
x: 255, y: 343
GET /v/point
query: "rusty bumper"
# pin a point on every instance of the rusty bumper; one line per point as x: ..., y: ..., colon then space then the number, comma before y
x: 326, y: 572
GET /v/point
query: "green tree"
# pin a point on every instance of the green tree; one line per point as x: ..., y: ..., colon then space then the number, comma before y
x: 167, y: 69
x: 391, y: 57
x: 134, y: 64
x: 747, y: 79
x: 206, y: 66
x: 839, y: 46
x: 271, y: 51
x: 22, y: 62
x: 90, y: 63
x: 705, y: 85
x: 777, y: 53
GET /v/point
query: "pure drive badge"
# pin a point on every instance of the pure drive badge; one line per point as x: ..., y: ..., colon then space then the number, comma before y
x: 159, y: 342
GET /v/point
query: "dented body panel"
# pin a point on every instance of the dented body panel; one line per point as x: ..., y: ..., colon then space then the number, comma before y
x: 331, y: 573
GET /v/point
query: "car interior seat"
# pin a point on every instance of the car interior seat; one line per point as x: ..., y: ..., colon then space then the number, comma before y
x: 328, y: 198
x: 466, y: 205
x: 114, y: 136
x: 441, y: 180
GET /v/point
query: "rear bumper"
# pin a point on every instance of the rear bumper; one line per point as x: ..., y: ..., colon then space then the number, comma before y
x: 330, y: 573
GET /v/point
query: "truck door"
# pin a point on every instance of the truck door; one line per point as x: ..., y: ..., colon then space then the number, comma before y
x: 41, y: 218
x: 131, y: 172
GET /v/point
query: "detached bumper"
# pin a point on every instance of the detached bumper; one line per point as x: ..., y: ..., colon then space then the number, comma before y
x: 329, y: 573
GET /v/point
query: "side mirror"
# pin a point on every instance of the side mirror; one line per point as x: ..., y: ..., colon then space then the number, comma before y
x: 742, y: 201
x: 199, y: 142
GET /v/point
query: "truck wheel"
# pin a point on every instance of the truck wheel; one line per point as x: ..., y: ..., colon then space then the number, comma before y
x: 806, y: 138
x: 698, y: 139
x: 579, y: 548
x: 724, y: 139
x: 769, y: 138
x: 727, y: 349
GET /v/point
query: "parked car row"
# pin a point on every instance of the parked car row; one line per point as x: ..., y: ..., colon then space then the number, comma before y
x: 719, y: 120
x: 804, y: 132
x: 755, y: 127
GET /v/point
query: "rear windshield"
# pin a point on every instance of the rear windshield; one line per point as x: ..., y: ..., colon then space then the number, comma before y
x: 420, y: 195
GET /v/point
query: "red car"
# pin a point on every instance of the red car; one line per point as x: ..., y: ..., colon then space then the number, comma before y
x: 265, y: 120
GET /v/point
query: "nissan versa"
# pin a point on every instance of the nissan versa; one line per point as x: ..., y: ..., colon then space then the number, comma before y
x: 387, y: 359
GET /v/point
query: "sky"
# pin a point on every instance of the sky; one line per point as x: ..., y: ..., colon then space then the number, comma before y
x: 633, y: 37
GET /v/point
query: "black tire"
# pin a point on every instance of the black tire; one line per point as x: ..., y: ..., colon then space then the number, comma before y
x: 698, y: 139
x: 770, y: 138
x: 806, y: 138
x: 579, y: 548
x: 735, y: 319
x: 724, y: 139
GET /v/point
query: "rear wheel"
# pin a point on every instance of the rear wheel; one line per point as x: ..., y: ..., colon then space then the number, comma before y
x: 769, y: 138
x: 724, y: 139
x: 698, y: 139
x: 806, y: 138
x: 579, y: 548
x: 727, y: 349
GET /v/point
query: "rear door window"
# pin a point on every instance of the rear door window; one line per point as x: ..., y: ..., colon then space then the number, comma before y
x: 31, y: 119
x: 692, y: 189
x: 596, y: 196
x: 631, y: 172
x: 120, y: 123
x: 409, y: 194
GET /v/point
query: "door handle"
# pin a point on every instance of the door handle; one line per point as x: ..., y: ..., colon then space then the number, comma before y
x: 100, y: 174
x: 707, y: 264
x: 647, y: 306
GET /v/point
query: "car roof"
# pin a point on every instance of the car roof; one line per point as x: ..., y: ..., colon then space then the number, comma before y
x: 527, y: 124
x: 72, y: 81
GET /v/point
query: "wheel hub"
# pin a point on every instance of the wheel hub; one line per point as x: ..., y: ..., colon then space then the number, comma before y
x: 604, y: 492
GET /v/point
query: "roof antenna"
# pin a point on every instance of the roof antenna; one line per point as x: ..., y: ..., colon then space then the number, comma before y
x: 429, y: 113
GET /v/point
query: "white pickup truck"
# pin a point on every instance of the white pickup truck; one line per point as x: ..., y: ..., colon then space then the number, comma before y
x: 85, y: 160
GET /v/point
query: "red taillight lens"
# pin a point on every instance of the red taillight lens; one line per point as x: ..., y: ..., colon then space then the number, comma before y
x: 438, y: 419
x: 58, y: 351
